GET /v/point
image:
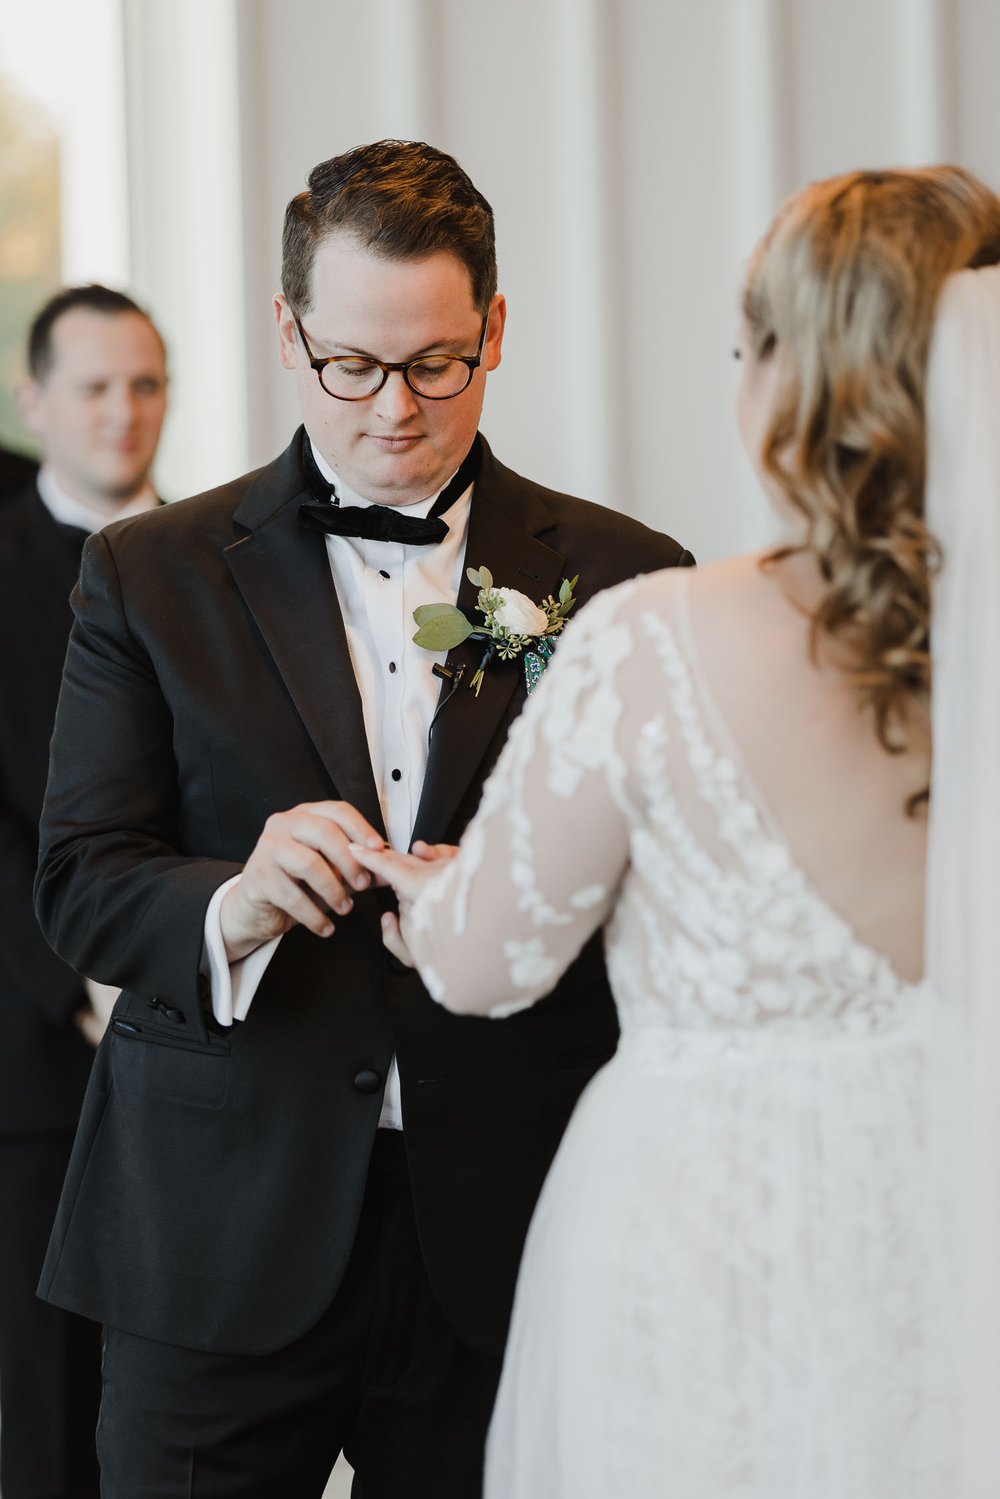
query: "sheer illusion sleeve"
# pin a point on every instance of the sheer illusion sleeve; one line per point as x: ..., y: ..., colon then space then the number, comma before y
x: 542, y: 860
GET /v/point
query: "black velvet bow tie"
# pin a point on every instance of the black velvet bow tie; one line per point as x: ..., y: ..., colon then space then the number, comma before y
x: 373, y: 522
x: 381, y: 522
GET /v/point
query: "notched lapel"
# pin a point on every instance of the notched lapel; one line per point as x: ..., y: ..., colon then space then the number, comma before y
x: 466, y: 724
x: 283, y: 573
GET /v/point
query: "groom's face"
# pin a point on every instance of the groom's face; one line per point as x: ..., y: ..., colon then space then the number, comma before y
x: 396, y: 447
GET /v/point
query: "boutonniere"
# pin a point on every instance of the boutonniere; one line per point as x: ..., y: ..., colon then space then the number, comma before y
x: 512, y: 625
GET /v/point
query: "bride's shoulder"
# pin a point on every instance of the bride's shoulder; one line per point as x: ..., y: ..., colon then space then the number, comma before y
x: 728, y: 611
x: 622, y: 603
x: 731, y: 584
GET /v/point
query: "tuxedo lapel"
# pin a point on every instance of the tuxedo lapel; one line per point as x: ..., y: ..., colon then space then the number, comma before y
x: 466, y: 724
x: 283, y: 573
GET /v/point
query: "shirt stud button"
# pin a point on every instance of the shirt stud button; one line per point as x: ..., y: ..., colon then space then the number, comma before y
x: 382, y: 573
x: 397, y: 775
x: 392, y: 666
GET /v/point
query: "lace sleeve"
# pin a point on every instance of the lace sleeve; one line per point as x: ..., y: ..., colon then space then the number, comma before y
x: 541, y: 862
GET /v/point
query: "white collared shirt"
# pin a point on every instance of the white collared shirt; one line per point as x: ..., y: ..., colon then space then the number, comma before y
x: 379, y: 584
x: 71, y: 512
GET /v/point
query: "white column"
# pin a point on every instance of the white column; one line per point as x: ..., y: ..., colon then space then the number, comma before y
x: 187, y: 227
x: 763, y: 166
x: 592, y: 371
x: 405, y: 39
x: 926, y: 60
x: 95, y: 235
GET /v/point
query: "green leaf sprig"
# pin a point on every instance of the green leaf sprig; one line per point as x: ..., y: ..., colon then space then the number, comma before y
x: 441, y: 627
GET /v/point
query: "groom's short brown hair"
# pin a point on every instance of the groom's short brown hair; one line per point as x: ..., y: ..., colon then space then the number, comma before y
x: 402, y: 200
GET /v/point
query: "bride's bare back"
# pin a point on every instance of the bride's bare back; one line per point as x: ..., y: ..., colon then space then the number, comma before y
x: 827, y: 786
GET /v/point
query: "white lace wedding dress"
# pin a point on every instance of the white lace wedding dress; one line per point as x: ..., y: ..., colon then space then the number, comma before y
x: 728, y: 1287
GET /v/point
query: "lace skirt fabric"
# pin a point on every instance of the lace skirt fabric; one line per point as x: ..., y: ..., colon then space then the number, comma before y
x: 729, y: 1287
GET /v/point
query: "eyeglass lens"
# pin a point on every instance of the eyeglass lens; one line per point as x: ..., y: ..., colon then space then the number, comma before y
x: 437, y: 376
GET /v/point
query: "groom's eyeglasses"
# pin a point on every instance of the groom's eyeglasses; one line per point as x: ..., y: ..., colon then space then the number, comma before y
x: 436, y: 377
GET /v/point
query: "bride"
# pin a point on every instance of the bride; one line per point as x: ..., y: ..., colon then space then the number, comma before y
x: 765, y: 1261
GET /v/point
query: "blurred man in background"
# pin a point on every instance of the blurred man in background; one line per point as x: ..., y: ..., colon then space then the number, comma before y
x: 95, y: 400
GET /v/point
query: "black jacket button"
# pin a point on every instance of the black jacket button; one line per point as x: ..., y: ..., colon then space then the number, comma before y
x: 367, y: 1081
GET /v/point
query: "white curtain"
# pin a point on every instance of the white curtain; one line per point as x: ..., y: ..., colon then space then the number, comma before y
x: 632, y: 151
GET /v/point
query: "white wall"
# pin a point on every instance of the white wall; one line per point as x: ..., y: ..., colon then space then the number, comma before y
x: 632, y: 150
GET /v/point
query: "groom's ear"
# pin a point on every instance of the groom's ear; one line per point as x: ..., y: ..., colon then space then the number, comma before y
x: 494, y: 334
x: 288, y: 341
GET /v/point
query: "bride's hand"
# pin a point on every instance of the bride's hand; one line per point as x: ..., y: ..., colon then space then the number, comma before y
x: 407, y: 874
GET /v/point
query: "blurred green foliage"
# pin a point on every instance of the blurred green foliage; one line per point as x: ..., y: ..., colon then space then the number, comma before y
x: 29, y: 238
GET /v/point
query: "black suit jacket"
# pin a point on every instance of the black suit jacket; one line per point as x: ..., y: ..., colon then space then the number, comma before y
x: 217, y: 1179
x: 44, y: 1060
x: 17, y: 470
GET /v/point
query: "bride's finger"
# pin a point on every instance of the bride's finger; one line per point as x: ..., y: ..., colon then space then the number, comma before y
x: 392, y: 939
x: 402, y: 871
x: 430, y: 852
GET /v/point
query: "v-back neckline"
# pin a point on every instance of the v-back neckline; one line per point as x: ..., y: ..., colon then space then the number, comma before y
x: 770, y: 826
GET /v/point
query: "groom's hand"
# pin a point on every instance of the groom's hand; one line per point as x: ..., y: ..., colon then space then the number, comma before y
x: 300, y: 871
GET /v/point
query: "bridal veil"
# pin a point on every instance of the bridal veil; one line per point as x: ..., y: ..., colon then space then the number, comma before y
x: 963, y: 892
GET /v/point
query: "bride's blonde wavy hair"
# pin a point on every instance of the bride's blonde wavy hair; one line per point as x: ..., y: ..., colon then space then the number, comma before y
x: 843, y: 288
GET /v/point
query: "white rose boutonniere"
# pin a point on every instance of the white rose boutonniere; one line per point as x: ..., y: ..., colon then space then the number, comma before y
x: 513, y: 625
x: 518, y: 615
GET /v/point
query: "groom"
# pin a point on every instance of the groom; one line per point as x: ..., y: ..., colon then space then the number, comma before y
x: 300, y: 1189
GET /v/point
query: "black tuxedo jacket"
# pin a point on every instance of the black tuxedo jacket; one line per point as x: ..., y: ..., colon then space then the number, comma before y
x: 214, y: 1191
x: 17, y: 470
x: 44, y: 1060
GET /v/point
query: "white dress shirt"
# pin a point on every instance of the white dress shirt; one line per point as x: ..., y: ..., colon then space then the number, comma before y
x: 63, y: 507
x: 379, y: 584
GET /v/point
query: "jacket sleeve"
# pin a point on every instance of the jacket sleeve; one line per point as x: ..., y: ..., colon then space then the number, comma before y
x: 115, y: 895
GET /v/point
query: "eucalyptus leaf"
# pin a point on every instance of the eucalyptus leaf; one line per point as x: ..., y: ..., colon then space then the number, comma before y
x: 565, y: 592
x: 485, y: 579
x: 424, y: 612
x: 443, y: 631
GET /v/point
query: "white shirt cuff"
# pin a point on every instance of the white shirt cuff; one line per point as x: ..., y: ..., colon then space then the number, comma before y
x: 233, y: 985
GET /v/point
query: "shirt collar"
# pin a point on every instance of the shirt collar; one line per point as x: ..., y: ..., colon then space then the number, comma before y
x: 71, y: 512
x: 348, y: 496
